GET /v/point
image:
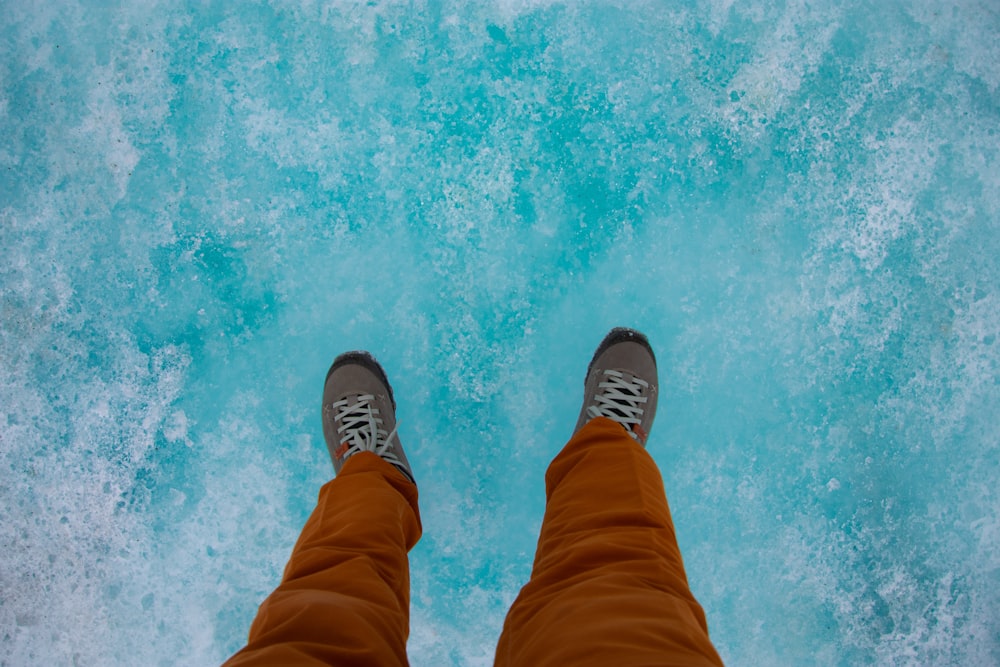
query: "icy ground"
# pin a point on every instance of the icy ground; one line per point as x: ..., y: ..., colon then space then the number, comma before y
x: 202, y: 203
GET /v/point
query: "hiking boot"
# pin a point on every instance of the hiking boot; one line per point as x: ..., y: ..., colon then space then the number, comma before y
x: 621, y: 383
x: 359, y: 412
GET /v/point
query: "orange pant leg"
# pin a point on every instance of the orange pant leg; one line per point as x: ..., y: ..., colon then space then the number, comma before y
x: 345, y: 596
x: 608, y: 585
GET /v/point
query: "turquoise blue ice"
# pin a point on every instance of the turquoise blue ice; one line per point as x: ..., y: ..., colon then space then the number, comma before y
x: 202, y: 204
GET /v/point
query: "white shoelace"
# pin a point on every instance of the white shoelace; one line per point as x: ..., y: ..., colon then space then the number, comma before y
x: 361, y: 429
x: 620, y: 401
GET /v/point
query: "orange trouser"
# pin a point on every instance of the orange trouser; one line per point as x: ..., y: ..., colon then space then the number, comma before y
x: 608, y: 585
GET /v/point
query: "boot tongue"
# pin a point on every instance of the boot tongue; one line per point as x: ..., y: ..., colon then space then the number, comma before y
x: 621, y: 413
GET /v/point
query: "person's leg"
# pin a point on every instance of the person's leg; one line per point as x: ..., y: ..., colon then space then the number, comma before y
x: 344, y: 598
x: 345, y: 595
x: 608, y: 585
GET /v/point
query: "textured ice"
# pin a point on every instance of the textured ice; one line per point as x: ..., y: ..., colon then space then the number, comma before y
x: 202, y: 203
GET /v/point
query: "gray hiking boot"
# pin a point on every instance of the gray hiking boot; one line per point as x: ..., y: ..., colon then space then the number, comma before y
x: 359, y: 412
x: 621, y: 383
